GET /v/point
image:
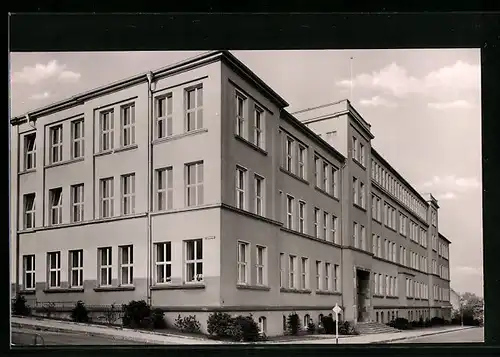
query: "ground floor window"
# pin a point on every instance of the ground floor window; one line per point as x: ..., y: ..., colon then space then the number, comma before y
x: 377, y: 317
x: 307, y: 320
x: 381, y: 316
x: 284, y: 323
x: 320, y: 320
x: 262, y: 325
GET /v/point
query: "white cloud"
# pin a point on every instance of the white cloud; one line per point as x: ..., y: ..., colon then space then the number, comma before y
x: 40, y: 72
x: 446, y: 196
x: 468, y: 270
x: 377, y: 101
x: 456, y: 104
x: 40, y: 96
x: 395, y: 80
x: 448, y: 187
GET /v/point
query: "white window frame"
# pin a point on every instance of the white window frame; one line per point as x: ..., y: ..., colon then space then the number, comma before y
x: 292, y: 271
x: 126, y: 271
x: 290, y: 201
x: 29, y: 269
x: 355, y: 235
x: 289, y: 148
x: 164, y: 188
x: 240, y: 117
x: 362, y: 194
x: 354, y: 148
x: 325, y: 225
x: 77, y: 202
x: 243, y: 262
x: 259, y: 127
x: 55, y: 206
x: 362, y: 154
x: 197, y: 277
x: 77, y: 138
x: 194, y: 189
x: 302, y: 216
x: 29, y: 210
x: 76, y: 269
x: 334, y: 182
x: 304, y: 273
x: 325, y: 173
x: 128, y: 194
x: 196, y: 110
x: 261, y: 265
x: 316, y: 221
x: 106, y: 130
x: 241, y: 187
x: 282, y: 270
x: 362, y: 234
x: 260, y: 189
x: 319, y: 275
x: 328, y: 285
x: 30, y: 151
x: 127, y: 125
x: 105, y: 266
x: 334, y: 229
x: 317, y: 177
x: 355, y: 194
x: 54, y: 257
x: 163, y: 116
x: 164, y: 248
x: 336, y: 278
x: 107, y: 199
x: 302, y: 162
x: 56, y: 143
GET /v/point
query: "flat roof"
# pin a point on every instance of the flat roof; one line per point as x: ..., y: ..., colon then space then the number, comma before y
x: 206, y: 57
x: 442, y: 236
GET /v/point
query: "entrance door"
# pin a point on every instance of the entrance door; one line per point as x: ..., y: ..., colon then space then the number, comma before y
x: 363, y: 295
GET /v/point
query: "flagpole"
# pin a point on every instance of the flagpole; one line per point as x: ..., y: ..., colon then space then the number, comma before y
x: 350, y: 75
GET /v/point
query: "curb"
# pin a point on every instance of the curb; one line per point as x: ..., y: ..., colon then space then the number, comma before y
x: 423, y: 335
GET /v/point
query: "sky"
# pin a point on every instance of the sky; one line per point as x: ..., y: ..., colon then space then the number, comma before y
x: 423, y: 106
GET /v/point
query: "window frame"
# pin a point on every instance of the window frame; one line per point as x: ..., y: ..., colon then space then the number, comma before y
x: 127, y: 265
x: 78, y: 268
x: 261, y: 265
x: 106, y: 197
x: 197, y: 277
x: 164, y: 195
x: 165, y: 121
x: 55, y: 208
x: 197, y: 186
x: 77, y: 203
x: 197, y: 109
x: 106, y: 130
x: 55, y: 147
x: 127, y: 129
x: 29, y: 270
x: 243, y: 263
x: 108, y: 267
x: 29, y: 212
x: 57, y: 270
x: 29, y: 154
x: 259, y: 127
x: 77, y: 141
x: 165, y: 247
x: 127, y: 189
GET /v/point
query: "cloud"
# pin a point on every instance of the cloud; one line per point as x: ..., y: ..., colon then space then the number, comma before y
x: 448, y: 187
x: 40, y: 96
x: 456, y: 104
x: 446, y: 196
x: 40, y: 72
x: 468, y: 270
x: 395, y: 80
x: 377, y: 101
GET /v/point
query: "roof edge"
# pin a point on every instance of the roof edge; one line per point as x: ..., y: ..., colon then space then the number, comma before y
x: 442, y: 236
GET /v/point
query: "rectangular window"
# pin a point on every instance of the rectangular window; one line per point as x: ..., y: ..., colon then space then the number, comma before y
x: 29, y: 272
x: 317, y: 178
x: 387, y: 286
x: 128, y: 194
x: 54, y: 269
x: 107, y: 130
x: 55, y: 208
x: 77, y: 139
x: 362, y: 195
x: 163, y: 263
x: 164, y: 117
x: 289, y: 154
x: 259, y: 195
x: 333, y: 230
x: 194, y: 108
x: 302, y: 217
x: 292, y: 267
x: 258, y: 129
x: 56, y: 143
x: 302, y: 161
x: 261, y: 265
x: 76, y: 268
x: 362, y: 154
x: 394, y: 252
x: 335, y: 185
x: 374, y: 244
x: 363, y: 237
x: 318, y: 275
x: 127, y: 265
x: 380, y: 284
x: 289, y: 211
x: 355, y: 195
x: 325, y: 225
x: 355, y: 242
x: 325, y: 177
x: 107, y: 197
x: 316, y: 222
x: 375, y: 283
x: 29, y: 151
x: 379, y: 247
x: 240, y: 188
x: 29, y: 210
x: 164, y: 188
x: 327, y: 276
x: 354, y: 148
x: 243, y: 255
x: 77, y: 202
x: 127, y: 125
x: 105, y: 266
x: 282, y: 270
x: 304, y: 273
x: 240, y: 115
x: 194, y: 184
x: 336, y: 278
x: 193, y: 261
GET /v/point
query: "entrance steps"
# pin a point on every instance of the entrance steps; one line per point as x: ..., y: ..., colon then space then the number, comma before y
x: 368, y: 328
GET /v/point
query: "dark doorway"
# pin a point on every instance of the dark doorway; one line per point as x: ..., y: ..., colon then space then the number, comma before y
x: 363, y: 295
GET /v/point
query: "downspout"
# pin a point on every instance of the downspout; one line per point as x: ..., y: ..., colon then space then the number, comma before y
x: 341, y: 243
x: 149, y: 279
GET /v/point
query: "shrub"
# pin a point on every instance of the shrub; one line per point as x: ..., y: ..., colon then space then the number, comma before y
x: 19, y: 307
x: 347, y: 328
x: 187, y: 324
x: 328, y: 325
x: 245, y: 329
x: 437, y: 321
x: 49, y: 308
x: 427, y: 323
x: 80, y: 313
x: 137, y: 314
x: 158, y: 317
x: 111, y: 314
x: 311, y: 327
x: 401, y: 324
x: 293, y: 323
x: 219, y: 324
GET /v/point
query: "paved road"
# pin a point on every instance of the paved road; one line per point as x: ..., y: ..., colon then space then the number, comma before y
x: 23, y: 337
x: 469, y: 335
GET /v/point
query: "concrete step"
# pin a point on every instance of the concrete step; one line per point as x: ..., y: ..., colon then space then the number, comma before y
x: 367, y: 328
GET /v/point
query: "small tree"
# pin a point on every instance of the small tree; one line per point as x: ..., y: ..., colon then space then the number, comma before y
x: 188, y: 324
x: 20, y: 307
x: 158, y: 317
x: 219, y: 324
x: 80, y: 313
x: 137, y: 314
x: 293, y: 323
x: 111, y: 314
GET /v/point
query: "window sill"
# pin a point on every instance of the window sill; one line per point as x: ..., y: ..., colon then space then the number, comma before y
x: 326, y: 193
x: 126, y: 148
x: 359, y: 163
x: 291, y: 174
x: 252, y: 287
x: 295, y: 291
x: 390, y: 228
x: 378, y: 296
x: 392, y: 297
x: 60, y: 163
x: 376, y: 220
x: 62, y: 290
x: 359, y: 207
x: 114, y: 288
x: 186, y: 286
x: 324, y: 292
x: 26, y: 171
x: 252, y: 145
x: 27, y: 292
x: 179, y: 136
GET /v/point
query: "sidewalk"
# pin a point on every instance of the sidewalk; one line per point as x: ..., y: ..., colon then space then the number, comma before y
x: 109, y: 331
x: 378, y: 338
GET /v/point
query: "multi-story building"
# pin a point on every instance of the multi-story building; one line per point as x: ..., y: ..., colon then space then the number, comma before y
x: 192, y: 188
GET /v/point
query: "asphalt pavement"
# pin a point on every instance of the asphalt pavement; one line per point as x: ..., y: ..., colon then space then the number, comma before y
x: 28, y: 337
x: 465, y: 336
